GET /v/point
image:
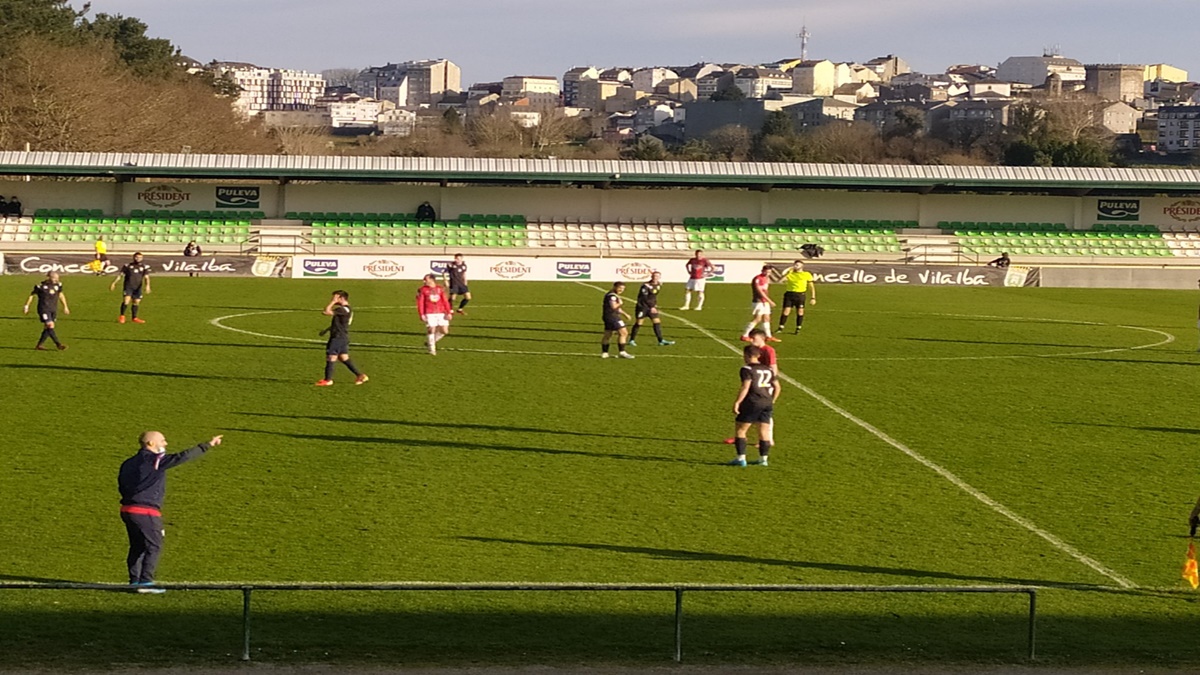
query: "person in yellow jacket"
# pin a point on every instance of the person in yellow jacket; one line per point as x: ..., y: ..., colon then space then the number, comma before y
x: 97, y: 266
x: 798, y: 284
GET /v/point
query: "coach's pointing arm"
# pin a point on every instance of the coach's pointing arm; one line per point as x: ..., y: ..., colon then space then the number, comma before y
x: 174, y: 459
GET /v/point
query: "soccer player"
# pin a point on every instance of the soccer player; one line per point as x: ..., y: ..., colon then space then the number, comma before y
x: 698, y: 268
x: 49, y: 292
x: 760, y: 310
x: 1194, y: 519
x: 137, y: 281
x: 758, y: 338
x: 798, y: 284
x: 755, y: 406
x: 456, y: 281
x: 433, y: 306
x: 337, y: 348
x: 613, y: 323
x: 142, y: 482
x: 647, y: 308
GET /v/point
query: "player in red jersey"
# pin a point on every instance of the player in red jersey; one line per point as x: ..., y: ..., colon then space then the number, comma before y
x: 697, y: 268
x: 760, y: 311
x: 433, y: 305
x: 758, y: 338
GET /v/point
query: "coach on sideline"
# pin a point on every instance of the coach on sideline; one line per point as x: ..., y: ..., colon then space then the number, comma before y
x: 142, y: 482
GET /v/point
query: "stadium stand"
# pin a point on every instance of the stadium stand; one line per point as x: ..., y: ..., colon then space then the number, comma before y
x: 1054, y: 239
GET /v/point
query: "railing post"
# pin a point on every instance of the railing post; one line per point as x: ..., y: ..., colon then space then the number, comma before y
x: 1032, y: 624
x: 246, y: 623
x: 678, y: 625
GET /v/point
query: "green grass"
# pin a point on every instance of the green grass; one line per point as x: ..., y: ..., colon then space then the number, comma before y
x: 525, y: 464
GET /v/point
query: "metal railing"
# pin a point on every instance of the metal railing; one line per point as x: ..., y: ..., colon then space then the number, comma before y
x: 677, y: 590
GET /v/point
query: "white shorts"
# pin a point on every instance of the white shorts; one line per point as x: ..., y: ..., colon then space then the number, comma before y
x: 436, y: 320
x: 696, y: 285
x: 760, y: 308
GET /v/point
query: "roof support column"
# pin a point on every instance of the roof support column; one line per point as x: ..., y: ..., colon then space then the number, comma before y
x: 281, y: 198
x: 118, y: 203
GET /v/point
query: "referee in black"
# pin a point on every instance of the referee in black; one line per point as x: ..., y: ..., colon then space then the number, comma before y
x: 143, y: 484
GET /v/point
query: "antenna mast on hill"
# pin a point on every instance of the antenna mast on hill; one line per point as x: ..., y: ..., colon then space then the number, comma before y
x: 804, y: 35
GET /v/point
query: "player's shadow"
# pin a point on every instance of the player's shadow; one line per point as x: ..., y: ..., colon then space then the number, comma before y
x: 137, y: 373
x: 1165, y: 430
x: 680, y: 555
x: 1152, y: 362
x: 448, y: 444
x: 193, y: 343
x: 39, y: 580
x: 457, y: 426
x: 537, y: 329
x: 458, y: 335
x: 1003, y: 343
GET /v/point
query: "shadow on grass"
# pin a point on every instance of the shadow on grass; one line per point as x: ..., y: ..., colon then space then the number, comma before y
x: 459, y: 335
x: 191, y: 343
x: 137, y: 373
x: 496, y: 629
x: 462, y: 445
x: 1165, y: 430
x: 1002, y: 343
x: 1149, y: 362
x: 911, y: 575
x: 456, y: 426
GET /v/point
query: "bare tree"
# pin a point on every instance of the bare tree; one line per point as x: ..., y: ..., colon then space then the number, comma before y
x: 731, y: 142
x: 339, y: 77
x: 556, y: 128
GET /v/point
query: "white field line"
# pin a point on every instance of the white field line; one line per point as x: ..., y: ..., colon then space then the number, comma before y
x: 928, y: 463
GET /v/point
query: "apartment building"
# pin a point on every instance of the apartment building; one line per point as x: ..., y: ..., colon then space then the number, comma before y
x: 571, y: 80
x: 1035, y: 70
x: 758, y: 82
x: 266, y: 89
x: 1179, y: 128
x: 410, y: 84
x: 541, y: 90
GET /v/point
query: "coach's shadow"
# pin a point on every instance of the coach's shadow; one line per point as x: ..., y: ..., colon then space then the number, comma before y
x: 461, y: 445
x: 469, y: 425
x: 698, y: 556
x: 1165, y: 430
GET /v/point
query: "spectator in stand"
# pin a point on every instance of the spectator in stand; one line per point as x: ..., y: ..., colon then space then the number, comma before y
x: 1002, y: 262
x: 14, y: 207
x: 3, y: 208
x: 425, y: 212
x: 192, y: 250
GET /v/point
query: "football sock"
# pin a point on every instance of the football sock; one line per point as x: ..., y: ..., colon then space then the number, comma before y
x: 430, y: 340
x: 767, y: 327
x: 437, y: 337
x: 620, y: 346
x: 133, y: 310
x: 740, y: 445
x: 604, y: 347
x: 764, y: 447
x: 329, y: 370
x: 45, y: 334
x: 749, y: 327
x: 463, y: 304
x: 53, y: 335
x: 687, y: 299
x: 634, y: 331
x: 123, y: 306
x: 699, y: 300
x: 658, y: 331
x: 799, y: 319
x: 352, y: 367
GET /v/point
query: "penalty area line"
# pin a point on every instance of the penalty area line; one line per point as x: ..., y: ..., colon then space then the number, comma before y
x: 950, y: 476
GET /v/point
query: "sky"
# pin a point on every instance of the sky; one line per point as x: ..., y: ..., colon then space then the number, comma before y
x: 491, y: 39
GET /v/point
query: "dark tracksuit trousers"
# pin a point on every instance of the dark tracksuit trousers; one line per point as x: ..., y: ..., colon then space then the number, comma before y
x: 145, y: 545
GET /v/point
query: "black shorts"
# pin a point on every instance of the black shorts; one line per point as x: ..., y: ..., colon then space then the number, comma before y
x: 794, y: 299
x: 646, y: 312
x: 102, y: 257
x: 133, y: 293
x: 613, y: 323
x: 48, y: 317
x: 337, y: 346
x: 755, y: 414
x: 459, y: 289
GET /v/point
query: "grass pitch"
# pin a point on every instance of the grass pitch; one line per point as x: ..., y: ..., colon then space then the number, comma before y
x: 517, y: 454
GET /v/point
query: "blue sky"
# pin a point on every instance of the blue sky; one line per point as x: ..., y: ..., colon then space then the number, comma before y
x: 490, y: 39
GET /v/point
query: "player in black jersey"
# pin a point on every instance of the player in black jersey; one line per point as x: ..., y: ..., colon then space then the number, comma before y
x: 338, y: 346
x: 647, y: 308
x: 613, y: 323
x: 49, y: 293
x: 755, y: 405
x: 136, y: 277
x: 456, y: 281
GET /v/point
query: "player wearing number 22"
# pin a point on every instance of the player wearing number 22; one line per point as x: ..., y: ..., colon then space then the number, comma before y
x: 755, y: 406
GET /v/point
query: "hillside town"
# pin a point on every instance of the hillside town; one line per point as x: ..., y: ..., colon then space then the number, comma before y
x: 1150, y: 107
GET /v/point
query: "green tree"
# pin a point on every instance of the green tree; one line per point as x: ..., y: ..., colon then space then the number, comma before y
x: 648, y: 148
x: 452, y: 124
x: 146, y: 56
x: 54, y: 19
x: 730, y: 92
x: 778, y: 123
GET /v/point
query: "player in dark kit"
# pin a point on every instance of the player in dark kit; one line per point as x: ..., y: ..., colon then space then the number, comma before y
x: 647, y: 308
x: 338, y: 346
x: 49, y: 293
x: 755, y: 405
x: 613, y: 322
x: 142, y: 482
x: 456, y: 281
x: 136, y: 277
